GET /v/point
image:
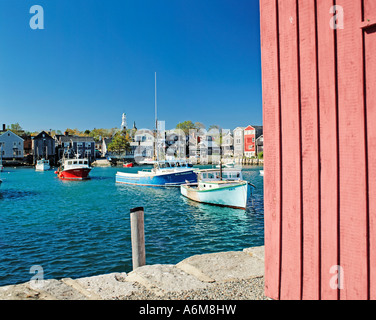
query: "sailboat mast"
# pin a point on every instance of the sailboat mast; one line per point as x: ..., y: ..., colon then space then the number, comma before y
x: 156, y: 118
x: 220, y: 155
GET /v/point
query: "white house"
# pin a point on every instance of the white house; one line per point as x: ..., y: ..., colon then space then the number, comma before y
x: 239, y: 142
x: 227, y: 144
x: 143, y: 145
x: 12, y: 145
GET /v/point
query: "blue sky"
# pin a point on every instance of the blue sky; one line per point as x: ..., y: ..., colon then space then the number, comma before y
x: 96, y: 59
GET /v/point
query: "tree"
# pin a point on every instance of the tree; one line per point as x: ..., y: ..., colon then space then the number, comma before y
x: 199, y: 125
x: 16, y: 128
x: 120, y: 143
x: 99, y: 134
x: 186, y: 126
x: 73, y: 132
x: 214, y: 127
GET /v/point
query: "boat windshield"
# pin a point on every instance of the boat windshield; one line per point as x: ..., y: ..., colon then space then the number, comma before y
x: 215, y: 175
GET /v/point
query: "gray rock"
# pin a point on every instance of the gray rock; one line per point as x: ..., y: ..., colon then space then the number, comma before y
x: 108, y: 287
x: 223, y: 266
x: 163, y: 279
x: 258, y: 252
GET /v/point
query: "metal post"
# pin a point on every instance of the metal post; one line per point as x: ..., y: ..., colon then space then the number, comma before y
x: 138, y: 237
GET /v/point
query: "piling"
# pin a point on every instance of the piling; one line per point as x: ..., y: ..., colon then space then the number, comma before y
x: 138, y: 237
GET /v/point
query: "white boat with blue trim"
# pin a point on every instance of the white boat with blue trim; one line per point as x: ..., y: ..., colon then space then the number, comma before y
x: 226, y: 189
x: 42, y: 165
x: 164, y: 174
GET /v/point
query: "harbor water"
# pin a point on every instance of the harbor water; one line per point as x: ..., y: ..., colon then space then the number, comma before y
x: 79, y: 229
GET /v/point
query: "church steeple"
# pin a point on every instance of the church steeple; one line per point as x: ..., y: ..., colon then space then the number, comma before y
x: 124, y: 122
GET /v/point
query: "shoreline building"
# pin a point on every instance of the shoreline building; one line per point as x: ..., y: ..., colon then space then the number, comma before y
x: 43, y: 146
x: 239, y: 142
x: 12, y: 146
x: 251, y: 133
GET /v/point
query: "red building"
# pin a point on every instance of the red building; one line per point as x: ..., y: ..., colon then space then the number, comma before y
x: 251, y: 133
x: 319, y: 103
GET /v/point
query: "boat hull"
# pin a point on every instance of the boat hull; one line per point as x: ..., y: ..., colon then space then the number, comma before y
x: 234, y: 196
x: 42, y: 167
x: 74, y: 174
x: 157, y: 180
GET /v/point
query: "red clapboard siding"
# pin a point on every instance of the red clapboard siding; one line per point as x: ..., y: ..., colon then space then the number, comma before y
x: 352, y: 166
x: 319, y: 99
x: 369, y: 10
x: 370, y: 67
x: 328, y: 150
x: 272, y: 164
x: 310, y: 149
x: 370, y: 63
x: 291, y: 169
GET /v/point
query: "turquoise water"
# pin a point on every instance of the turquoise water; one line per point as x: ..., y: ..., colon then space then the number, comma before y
x: 78, y: 229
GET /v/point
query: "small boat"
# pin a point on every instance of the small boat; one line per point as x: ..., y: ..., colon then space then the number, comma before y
x: 74, y: 169
x: 164, y: 174
x: 261, y: 172
x: 128, y: 165
x: 229, y: 191
x: 42, y: 165
x: 227, y: 165
x: 147, y: 161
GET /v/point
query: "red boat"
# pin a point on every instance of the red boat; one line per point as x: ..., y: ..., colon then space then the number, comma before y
x: 128, y: 165
x: 74, y: 169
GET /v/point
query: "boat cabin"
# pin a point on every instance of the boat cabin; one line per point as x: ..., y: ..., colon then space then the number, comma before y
x: 214, y: 175
x: 43, y: 161
x: 170, y: 164
x: 75, y: 163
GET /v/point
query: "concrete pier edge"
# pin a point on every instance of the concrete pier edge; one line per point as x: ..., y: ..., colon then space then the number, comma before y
x: 194, y: 273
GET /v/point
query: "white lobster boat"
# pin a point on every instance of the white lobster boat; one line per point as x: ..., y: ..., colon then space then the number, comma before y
x: 42, y: 165
x: 230, y: 190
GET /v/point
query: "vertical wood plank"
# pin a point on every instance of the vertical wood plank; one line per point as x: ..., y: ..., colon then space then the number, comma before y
x: 272, y: 162
x: 291, y: 171
x: 370, y: 65
x: 353, y: 186
x: 310, y: 149
x: 370, y: 10
x: 328, y: 148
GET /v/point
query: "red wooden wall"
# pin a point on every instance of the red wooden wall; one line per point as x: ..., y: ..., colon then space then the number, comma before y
x: 319, y: 102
